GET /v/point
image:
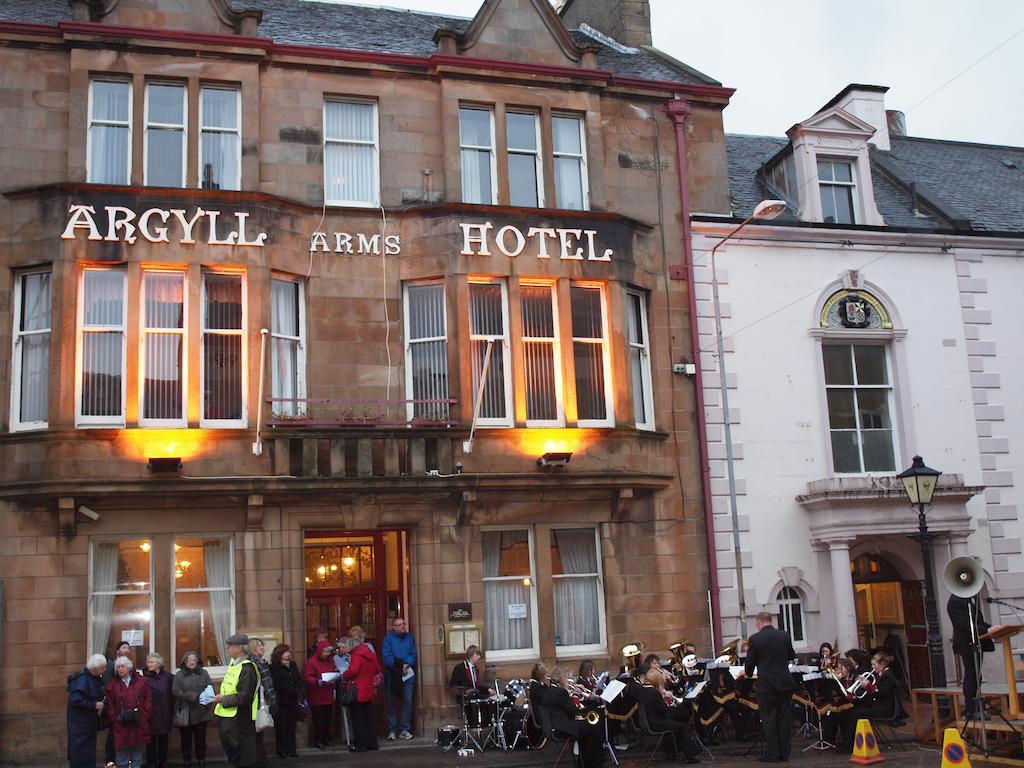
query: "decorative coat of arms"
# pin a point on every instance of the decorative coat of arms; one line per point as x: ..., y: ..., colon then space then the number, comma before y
x: 854, y: 312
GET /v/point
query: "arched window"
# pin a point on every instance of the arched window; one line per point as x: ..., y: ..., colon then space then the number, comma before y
x: 791, y: 613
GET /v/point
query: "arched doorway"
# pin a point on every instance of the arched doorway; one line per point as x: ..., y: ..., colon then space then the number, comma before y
x: 890, y: 614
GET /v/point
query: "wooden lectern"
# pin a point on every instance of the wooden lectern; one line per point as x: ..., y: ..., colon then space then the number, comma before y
x: 1004, y: 633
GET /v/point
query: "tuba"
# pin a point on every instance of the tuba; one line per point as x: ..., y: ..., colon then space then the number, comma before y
x: 728, y: 654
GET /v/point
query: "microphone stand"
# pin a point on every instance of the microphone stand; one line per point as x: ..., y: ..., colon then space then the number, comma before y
x: 973, y: 610
x: 1005, y: 604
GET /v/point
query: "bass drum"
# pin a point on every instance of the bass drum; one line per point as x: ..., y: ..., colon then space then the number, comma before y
x: 534, y: 734
x: 513, y: 729
x: 517, y: 692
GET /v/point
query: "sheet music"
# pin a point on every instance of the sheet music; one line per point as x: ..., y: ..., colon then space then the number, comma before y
x: 612, y: 690
x: 695, y: 691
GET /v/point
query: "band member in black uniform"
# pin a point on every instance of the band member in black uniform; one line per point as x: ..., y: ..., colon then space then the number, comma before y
x: 567, y: 719
x: 466, y: 676
x: 968, y: 626
x: 770, y: 652
x: 861, y: 659
x: 880, y: 701
x: 660, y: 718
x: 587, y: 678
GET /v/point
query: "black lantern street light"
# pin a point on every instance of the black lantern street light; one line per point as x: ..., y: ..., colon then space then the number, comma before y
x: 919, y: 482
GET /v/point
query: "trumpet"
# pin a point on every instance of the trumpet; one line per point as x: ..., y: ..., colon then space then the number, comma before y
x: 578, y: 692
x: 861, y: 685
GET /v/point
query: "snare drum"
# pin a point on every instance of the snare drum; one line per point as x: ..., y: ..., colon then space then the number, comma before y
x: 481, y: 713
x: 517, y: 693
x: 447, y: 735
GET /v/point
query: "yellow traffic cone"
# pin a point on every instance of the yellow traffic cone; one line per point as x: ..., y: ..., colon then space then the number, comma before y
x: 865, y: 745
x: 954, y: 753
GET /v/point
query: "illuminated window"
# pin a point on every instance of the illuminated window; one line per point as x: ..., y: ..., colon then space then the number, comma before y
x: 351, y: 175
x: 488, y: 329
x: 859, y: 393
x: 791, y: 614
x: 109, y: 146
x: 509, y: 598
x: 204, y: 598
x: 162, y: 353
x: 223, y: 354
x: 102, y: 315
x: 121, y: 598
x: 578, y: 590
x: 426, y: 351
x: 220, y: 144
x: 541, y: 356
x: 590, y: 356
x: 165, y: 135
x: 30, y: 374
x: 288, y: 347
x: 569, y: 151
x: 525, y: 169
x: 476, y: 150
x: 640, y: 361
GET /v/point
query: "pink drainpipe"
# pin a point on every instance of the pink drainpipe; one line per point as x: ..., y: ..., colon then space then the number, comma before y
x: 678, y: 110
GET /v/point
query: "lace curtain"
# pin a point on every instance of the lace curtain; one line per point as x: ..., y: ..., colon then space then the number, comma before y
x: 217, y: 557
x: 505, y: 633
x: 104, y: 578
x: 576, y: 589
x: 284, y: 344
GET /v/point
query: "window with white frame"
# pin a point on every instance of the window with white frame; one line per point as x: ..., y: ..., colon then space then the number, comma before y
x: 859, y: 393
x: 288, y: 347
x: 102, y: 316
x: 351, y: 159
x: 591, y: 360
x: 476, y: 149
x: 640, y: 361
x: 109, y: 145
x: 488, y: 333
x: 121, y: 597
x: 163, y: 350
x: 525, y: 176
x: 791, y: 613
x: 165, y: 135
x: 426, y: 351
x: 222, y: 359
x: 509, y: 601
x: 837, y: 186
x: 542, y: 359
x: 569, y: 151
x: 220, y: 142
x: 578, y: 590
x: 30, y: 375
x: 204, y: 598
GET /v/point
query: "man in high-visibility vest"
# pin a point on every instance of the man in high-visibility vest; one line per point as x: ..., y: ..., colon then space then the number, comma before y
x: 237, y: 704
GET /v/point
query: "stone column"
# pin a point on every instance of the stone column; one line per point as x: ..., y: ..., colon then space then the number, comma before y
x: 842, y: 594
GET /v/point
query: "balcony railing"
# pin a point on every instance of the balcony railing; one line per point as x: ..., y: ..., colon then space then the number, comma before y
x: 312, y: 412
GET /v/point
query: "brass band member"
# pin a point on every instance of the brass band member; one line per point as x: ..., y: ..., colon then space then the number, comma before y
x: 586, y: 677
x: 827, y: 656
x: 467, y: 675
x: 880, y: 700
x: 660, y: 718
x: 565, y: 719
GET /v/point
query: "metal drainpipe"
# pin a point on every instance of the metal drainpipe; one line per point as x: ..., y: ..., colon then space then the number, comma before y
x: 678, y: 110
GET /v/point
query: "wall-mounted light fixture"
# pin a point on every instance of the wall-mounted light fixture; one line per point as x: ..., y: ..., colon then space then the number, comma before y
x: 553, y: 460
x: 163, y: 464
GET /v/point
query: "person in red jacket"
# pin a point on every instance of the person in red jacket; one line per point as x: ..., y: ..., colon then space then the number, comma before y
x: 128, y: 707
x: 320, y: 692
x: 362, y: 670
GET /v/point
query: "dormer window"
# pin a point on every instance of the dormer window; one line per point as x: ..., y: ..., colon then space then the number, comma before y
x: 838, y: 191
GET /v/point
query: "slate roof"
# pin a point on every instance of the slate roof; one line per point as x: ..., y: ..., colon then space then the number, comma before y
x: 972, y: 182
x: 374, y: 29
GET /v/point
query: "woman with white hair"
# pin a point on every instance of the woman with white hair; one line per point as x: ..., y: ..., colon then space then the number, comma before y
x: 129, y: 704
x: 189, y: 682
x: 161, y: 718
x: 85, y: 708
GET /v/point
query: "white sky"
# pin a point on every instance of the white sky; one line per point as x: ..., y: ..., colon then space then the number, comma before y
x: 787, y: 59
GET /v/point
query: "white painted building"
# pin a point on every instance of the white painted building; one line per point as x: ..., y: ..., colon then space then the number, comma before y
x: 877, y: 319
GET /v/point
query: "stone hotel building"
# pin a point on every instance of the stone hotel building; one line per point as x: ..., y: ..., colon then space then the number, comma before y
x: 303, y: 309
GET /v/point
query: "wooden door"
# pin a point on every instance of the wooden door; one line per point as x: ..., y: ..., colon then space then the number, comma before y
x: 912, y: 593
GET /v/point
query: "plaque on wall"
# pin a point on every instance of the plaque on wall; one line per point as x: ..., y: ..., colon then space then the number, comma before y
x: 460, y: 611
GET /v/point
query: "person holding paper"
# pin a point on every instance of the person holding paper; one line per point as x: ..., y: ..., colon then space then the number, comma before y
x: 237, y: 705
x: 320, y: 691
x: 190, y: 681
x: 399, y: 652
x: 769, y: 653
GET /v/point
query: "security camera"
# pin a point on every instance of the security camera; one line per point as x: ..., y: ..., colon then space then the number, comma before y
x: 84, y: 510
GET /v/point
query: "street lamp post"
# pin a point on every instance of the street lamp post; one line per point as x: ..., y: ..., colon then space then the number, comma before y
x: 766, y: 209
x: 919, y: 482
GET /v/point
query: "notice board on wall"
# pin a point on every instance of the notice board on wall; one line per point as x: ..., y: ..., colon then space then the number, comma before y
x: 459, y: 635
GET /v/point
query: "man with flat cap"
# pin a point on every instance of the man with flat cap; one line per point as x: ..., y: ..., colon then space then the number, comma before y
x: 237, y: 704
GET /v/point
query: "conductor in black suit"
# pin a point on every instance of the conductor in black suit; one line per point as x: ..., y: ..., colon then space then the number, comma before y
x: 770, y: 651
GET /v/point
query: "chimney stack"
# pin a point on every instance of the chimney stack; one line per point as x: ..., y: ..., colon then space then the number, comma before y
x: 897, y: 122
x: 627, y: 21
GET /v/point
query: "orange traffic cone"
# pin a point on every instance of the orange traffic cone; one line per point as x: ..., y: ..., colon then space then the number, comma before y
x: 954, y: 753
x: 865, y: 745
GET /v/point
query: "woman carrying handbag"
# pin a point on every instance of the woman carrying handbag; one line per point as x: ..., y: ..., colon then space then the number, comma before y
x: 128, y: 709
x: 190, y: 716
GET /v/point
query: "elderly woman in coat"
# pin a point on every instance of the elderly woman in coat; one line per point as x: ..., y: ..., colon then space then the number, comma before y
x: 161, y: 717
x: 85, y: 708
x: 129, y: 703
x: 189, y: 682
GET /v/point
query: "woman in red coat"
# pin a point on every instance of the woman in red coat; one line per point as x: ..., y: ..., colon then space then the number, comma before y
x: 319, y: 692
x: 128, y: 708
x: 362, y: 670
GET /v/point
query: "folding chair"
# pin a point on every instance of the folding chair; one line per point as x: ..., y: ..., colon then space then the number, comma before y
x: 645, y: 728
x: 882, y: 724
x: 552, y: 736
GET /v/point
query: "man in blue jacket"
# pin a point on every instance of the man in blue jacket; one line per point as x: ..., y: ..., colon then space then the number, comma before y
x: 399, y: 667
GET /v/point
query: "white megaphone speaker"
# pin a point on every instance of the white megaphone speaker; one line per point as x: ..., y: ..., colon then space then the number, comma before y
x: 963, y: 576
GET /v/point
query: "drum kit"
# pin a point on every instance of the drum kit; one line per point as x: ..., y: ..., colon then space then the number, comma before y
x: 503, y: 721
